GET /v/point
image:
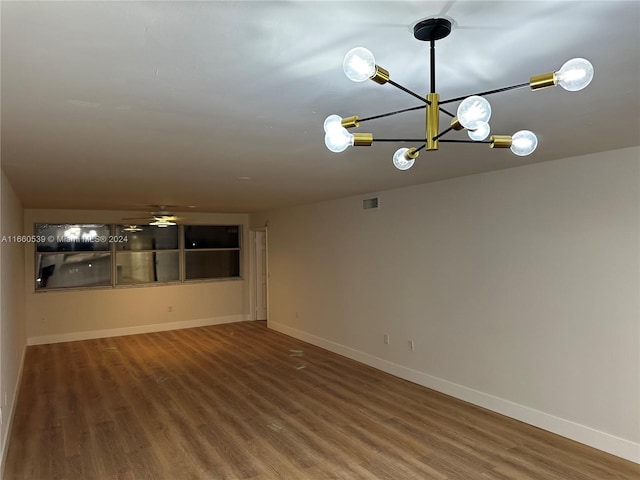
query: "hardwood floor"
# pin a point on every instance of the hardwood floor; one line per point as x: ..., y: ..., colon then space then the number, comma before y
x: 239, y: 401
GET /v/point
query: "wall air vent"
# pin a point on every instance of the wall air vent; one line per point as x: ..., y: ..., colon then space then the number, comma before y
x: 368, y: 203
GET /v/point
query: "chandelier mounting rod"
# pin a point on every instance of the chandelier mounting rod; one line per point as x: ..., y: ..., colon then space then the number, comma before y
x: 432, y: 52
x: 430, y: 30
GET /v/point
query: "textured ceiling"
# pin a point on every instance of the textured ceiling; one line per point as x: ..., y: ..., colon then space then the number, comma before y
x: 117, y: 105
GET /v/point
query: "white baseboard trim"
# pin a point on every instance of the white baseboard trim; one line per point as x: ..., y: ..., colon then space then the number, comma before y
x: 11, y: 414
x: 135, y: 330
x: 580, y: 433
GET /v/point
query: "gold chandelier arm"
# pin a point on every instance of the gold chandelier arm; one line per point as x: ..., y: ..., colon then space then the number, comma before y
x: 362, y: 139
x: 543, y: 80
x: 415, y: 151
x: 381, y: 76
x: 500, y: 141
x: 350, y: 122
x: 432, y: 121
x: 456, y: 125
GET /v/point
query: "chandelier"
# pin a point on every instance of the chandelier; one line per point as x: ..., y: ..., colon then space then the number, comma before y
x: 473, y: 112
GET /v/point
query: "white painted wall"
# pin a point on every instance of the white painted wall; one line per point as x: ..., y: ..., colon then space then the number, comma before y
x: 76, y: 314
x: 520, y: 289
x: 12, y: 313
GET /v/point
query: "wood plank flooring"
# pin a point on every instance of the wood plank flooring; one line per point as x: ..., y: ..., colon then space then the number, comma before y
x: 239, y: 401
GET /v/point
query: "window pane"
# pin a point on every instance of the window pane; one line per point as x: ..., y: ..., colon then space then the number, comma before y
x: 72, y: 237
x: 148, y: 238
x: 147, y: 267
x: 211, y: 236
x: 212, y: 264
x: 73, y: 270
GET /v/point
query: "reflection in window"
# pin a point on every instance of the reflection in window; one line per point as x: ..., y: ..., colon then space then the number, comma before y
x: 66, y: 270
x: 149, y: 255
x: 147, y: 237
x: 211, y: 236
x: 72, y: 237
x: 212, y: 264
x: 72, y: 255
x: 147, y: 267
x: 98, y: 255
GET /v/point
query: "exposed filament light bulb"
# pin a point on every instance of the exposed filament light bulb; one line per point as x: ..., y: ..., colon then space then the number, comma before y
x: 472, y: 111
x: 332, y: 122
x: 404, y: 158
x: 338, y: 139
x: 575, y: 74
x: 359, y: 64
x: 481, y: 131
x: 523, y: 143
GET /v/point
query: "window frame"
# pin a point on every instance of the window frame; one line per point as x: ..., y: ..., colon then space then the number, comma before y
x: 226, y: 249
x: 118, y: 251
x: 37, y: 254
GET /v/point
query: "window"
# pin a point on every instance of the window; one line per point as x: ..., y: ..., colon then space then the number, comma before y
x: 72, y: 256
x: 211, y: 251
x: 100, y: 255
x: 149, y: 255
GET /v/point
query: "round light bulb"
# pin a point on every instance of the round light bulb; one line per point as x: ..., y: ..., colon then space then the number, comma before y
x: 575, y: 74
x: 472, y: 110
x: 332, y: 122
x: 359, y: 64
x: 523, y: 143
x: 480, y: 132
x: 337, y: 140
x: 400, y: 161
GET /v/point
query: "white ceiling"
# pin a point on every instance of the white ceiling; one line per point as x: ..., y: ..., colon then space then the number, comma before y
x: 116, y: 105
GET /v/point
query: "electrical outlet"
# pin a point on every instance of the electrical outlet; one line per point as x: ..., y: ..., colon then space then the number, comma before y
x: 170, y: 308
x: 386, y: 339
x: 411, y: 345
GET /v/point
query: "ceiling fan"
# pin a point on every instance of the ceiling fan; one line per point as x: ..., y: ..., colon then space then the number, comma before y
x: 160, y: 218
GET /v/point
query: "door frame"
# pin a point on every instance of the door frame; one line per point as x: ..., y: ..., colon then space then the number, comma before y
x: 253, y: 283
